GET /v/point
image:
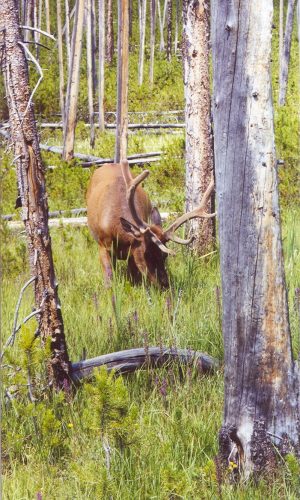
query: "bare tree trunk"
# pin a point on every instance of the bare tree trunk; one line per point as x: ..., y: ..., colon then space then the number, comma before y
x: 169, y: 31
x: 286, y: 51
x: 152, y: 39
x: 261, y: 411
x: 101, y: 63
x: 60, y: 60
x: 122, y: 104
x: 177, y: 23
x: 130, y: 18
x: 199, y: 144
x: 68, y: 44
x: 73, y: 83
x: 47, y: 9
x: 109, y: 33
x: 89, y: 65
x: 162, y: 20
x: 31, y: 185
x: 28, y: 20
x: 281, y: 10
x: 142, y: 25
x: 94, y: 47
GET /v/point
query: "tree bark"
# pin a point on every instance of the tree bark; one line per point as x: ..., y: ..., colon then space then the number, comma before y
x: 31, y: 186
x: 73, y: 83
x: 169, y: 31
x: 177, y: 23
x: 67, y: 32
x: 142, y: 25
x: 110, y: 33
x: 261, y: 410
x: 28, y: 19
x: 152, y: 39
x: 162, y: 20
x: 281, y: 10
x: 89, y: 65
x: 47, y: 10
x: 284, y: 67
x: 122, y: 88
x: 199, y: 143
x: 101, y: 64
x: 60, y: 59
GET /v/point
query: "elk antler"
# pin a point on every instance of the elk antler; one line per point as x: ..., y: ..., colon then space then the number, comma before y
x: 197, y: 212
x: 131, y: 185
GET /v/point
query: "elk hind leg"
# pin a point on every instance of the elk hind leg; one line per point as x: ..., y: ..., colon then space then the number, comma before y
x: 106, y: 265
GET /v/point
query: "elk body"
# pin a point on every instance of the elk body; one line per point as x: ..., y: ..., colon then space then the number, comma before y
x: 126, y: 226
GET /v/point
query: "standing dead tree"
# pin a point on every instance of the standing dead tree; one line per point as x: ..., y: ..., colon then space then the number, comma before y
x: 169, y: 30
x: 109, y: 33
x: 199, y: 143
x: 142, y: 25
x: 122, y: 86
x: 60, y: 59
x: 31, y: 186
x: 261, y: 411
x: 162, y: 21
x: 101, y: 64
x: 284, y: 62
x: 152, y: 39
x: 89, y: 66
x: 73, y: 83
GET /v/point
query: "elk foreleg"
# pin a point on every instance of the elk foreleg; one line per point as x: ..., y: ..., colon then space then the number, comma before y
x: 106, y: 265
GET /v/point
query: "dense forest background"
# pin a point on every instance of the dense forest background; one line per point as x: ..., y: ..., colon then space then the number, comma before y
x: 151, y: 434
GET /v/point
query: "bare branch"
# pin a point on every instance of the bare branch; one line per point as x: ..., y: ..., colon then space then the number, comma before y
x: 39, y: 80
x: 39, y: 31
x: 12, y: 337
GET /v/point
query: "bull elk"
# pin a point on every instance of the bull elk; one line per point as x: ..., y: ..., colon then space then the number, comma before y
x: 118, y: 208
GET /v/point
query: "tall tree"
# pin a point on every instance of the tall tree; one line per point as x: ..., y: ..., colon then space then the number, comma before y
x: 67, y: 32
x: 47, y: 10
x: 152, y: 39
x: 261, y: 411
x: 177, y: 22
x: 60, y: 59
x: 101, y: 63
x: 169, y: 30
x: 73, y: 83
x: 281, y: 10
x: 89, y: 65
x: 109, y: 33
x: 199, y: 143
x: 162, y: 21
x: 122, y: 88
x: 284, y: 66
x: 31, y: 186
x: 142, y: 26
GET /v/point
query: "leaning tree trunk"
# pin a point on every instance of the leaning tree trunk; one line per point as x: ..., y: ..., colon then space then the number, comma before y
x: 284, y: 66
x: 110, y: 33
x: 101, y: 64
x: 199, y: 144
x: 169, y: 31
x: 31, y: 186
x: 73, y: 82
x: 152, y: 39
x: 261, y: 411
x: 122, y: 86
x: 142, y: 25
x: 89, y: 65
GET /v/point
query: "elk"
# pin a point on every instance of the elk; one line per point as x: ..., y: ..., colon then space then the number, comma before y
x: 126, y: 226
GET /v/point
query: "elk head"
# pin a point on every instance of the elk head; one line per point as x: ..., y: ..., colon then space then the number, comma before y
x: 149, y: 250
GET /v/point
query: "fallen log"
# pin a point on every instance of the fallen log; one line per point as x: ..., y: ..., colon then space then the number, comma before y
x: 58, y: 125
x: 140, y: 358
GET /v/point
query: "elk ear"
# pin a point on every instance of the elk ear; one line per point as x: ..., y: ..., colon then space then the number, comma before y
x: 155, y: 217
x: 130, y: 228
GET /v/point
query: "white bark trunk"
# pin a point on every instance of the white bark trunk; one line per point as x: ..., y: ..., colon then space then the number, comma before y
x: 286, y: 51
x: 122, y: 103
x: 60, y: 59
x: 152, y: 39
x: 261, y: 382
x: 101, y: 63
x: 199, y: 143
x: 67, y: 32
x: 89, y: 65
x: 142, y: 25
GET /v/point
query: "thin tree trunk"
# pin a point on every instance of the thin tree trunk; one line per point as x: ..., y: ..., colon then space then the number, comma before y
x: 60, y: 59
x: 286, y: 51
x: 281, y: 10
x: 169, y: 31
x: 122, y: 90
x: 94, y: 47
x: 67, y: 35
x: 199, y: 144
x: 177, y: 22
x: 130, y: 18
x: 152, y: 39
x: 261, y: 411
x: 47, y: 10
x: 28, y: 19
x: 101, y: 63
x: 90, y: 70
x: 162, y: 20
x: 142, y: 25
x: 110, y: 33
x: 73, y: 83
x: 31, y: 186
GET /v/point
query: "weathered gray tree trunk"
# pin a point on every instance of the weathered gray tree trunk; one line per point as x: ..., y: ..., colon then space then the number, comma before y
x: 162, y: 21
x: 31, y: 186
x: 152, y: 39
x: 101, y: 64
x: 73, y: 82
x: 199, y: 143
x: 60, y: 59
x: 169, y: 30
x: 122, y: 88
x: 28, y: 19
x: 130, y: 18
x: 110, y: 33
x: 47, y: 11
x: 261, y: 411
x: 89, y: 65
x: 284, y: 66
x: 177, y: 23
x: 94, y: 47
x: 142, y: 25
x: 281, y: 10
x: 67, y: 32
